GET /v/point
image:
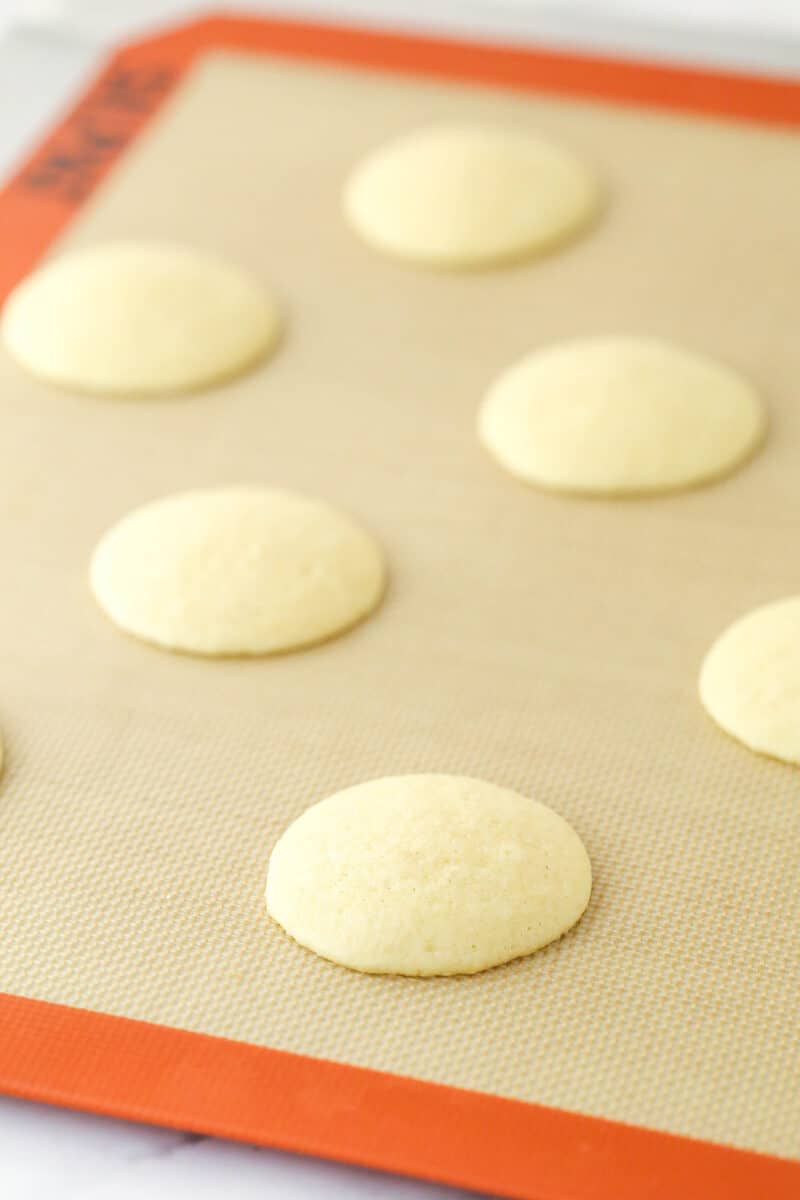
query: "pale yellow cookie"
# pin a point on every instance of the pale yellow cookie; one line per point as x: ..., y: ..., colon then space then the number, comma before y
x: 620, y: 416
x: 236, y: 571
x: 750, y: 680
x: 138, y: 318
x: 427, y: 875
x: 469, y: 196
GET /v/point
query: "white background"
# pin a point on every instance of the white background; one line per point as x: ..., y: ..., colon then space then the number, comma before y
x: 46, y: 46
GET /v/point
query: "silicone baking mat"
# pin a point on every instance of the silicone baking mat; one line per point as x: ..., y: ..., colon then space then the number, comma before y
x: 548, y: 644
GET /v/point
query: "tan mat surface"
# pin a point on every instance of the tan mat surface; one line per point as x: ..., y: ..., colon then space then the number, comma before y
x: 547, y: 644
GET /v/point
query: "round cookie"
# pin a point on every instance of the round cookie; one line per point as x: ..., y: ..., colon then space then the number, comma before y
x: 136, y: 319
x: 236, y: 571
x: 620, y: 416
x: 427, y: 875
x: 750, y: 680
x: 469, y: 196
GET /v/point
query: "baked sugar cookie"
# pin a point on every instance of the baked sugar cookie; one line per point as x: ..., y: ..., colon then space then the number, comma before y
x: 750, y: 680
x: 236, y: 571
x: 620, y: 416
x: 469, y: 196
x: 138, y: 318
x: 427, y: 875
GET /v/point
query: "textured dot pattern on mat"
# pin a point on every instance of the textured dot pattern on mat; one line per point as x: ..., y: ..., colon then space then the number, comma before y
x: 750, y: 680
x: 236, y: 571
x: 620, y: 416
x: 427, y: 875
x: 131, y: 318
x: 468, y: 196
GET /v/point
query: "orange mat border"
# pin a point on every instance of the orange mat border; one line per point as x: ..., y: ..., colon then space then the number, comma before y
x: 146, y: 1072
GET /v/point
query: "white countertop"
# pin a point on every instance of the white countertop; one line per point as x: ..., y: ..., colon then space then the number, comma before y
x: 53, y: 1154
x: 46, y: 47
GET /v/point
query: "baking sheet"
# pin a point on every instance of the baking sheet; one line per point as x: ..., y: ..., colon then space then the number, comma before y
x: 548, y: 644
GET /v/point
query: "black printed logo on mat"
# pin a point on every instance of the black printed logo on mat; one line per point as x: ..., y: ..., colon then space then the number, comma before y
x: 108, y: 119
